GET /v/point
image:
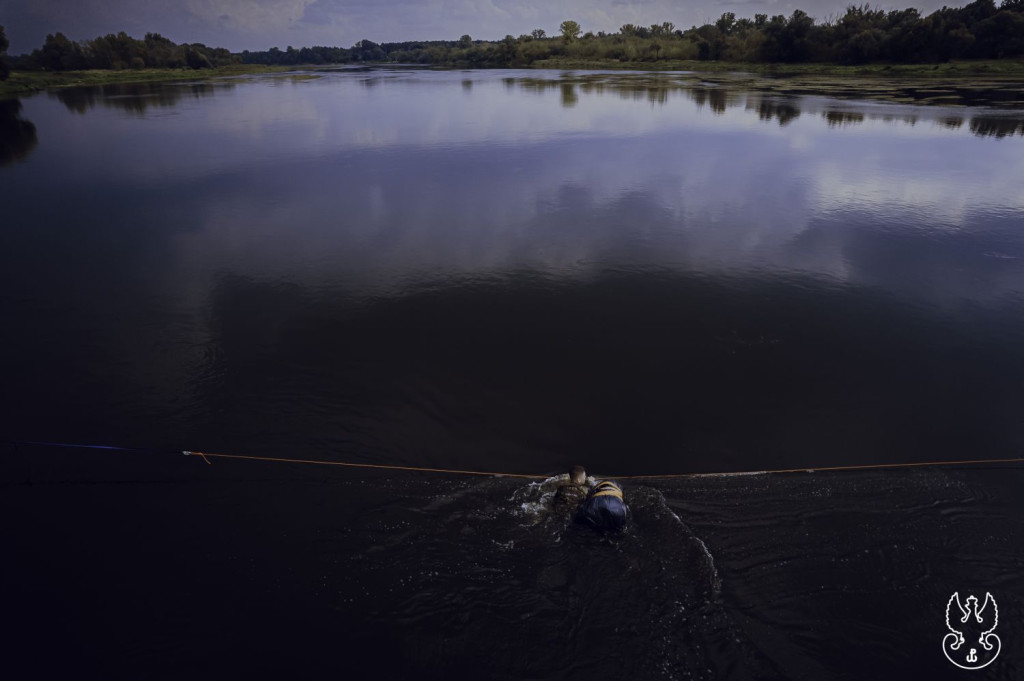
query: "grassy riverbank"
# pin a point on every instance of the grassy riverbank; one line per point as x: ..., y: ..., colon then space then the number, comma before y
x: 23, y: 83
x: 961, y: 68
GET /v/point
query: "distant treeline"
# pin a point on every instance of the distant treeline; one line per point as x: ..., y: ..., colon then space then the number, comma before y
x: 980, y: 30
x: 121, y: 51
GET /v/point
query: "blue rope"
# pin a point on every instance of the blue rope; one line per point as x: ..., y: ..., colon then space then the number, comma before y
x: 70, y: 445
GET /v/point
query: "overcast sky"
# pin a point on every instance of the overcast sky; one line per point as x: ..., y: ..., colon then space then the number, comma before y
x: 260, y: 24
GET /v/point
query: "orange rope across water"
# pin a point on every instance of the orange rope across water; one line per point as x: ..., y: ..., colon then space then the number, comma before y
x: 856, y: 467
x: 206, y: 456
x: 361, y: 465
x: 965, y: 462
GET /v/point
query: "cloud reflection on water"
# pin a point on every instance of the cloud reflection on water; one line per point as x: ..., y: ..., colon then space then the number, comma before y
x: 331, y: 182
x: 681, y: 191
x: 418, y: 269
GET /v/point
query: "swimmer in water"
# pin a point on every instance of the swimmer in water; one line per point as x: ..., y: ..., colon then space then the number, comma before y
x: 601, y: 507
x: 570, y: 495
x: 604, y: 507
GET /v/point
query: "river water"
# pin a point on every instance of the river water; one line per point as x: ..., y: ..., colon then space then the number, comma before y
x: 510, y: 271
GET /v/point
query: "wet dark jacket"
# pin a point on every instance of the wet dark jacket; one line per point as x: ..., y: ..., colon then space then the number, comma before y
x: 568, y: 498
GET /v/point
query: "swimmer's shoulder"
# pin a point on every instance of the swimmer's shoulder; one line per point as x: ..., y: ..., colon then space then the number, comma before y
x: 570, y: 493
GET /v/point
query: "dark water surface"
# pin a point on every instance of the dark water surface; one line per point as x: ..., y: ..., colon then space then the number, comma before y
x: 509, y: 271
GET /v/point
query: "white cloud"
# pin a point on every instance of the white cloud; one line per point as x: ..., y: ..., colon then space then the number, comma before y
x: 255, y: 16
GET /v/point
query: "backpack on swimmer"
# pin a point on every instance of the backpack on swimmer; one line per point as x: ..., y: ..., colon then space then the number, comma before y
x: 604, y: 507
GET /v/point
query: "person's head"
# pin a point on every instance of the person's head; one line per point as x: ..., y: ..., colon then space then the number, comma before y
x: 577, y: 475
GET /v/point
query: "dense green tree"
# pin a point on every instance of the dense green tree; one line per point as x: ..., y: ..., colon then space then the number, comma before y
x: 726, y: 23
x: 1000, y: 35
x: 788, y: 40
x: 112, y: 51
x: 710, y: 42
x: 161, y: 52
x: 366, y: 50
x: 662, y: 30
x: 978, y: 10
x: 195, y: 57
x: 570, y: 30
x: 906, y: 39
x: 539, y: 34
x: 508, y: 51
x: 60, y: 54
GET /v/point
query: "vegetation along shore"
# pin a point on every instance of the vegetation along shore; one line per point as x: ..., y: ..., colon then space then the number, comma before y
x: 978, y: 39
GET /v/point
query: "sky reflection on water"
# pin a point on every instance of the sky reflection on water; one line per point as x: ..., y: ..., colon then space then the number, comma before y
x: 412, y: 171
x: 217, y: 246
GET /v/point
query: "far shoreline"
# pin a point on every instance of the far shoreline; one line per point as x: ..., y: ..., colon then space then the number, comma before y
x: 26, y: 83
